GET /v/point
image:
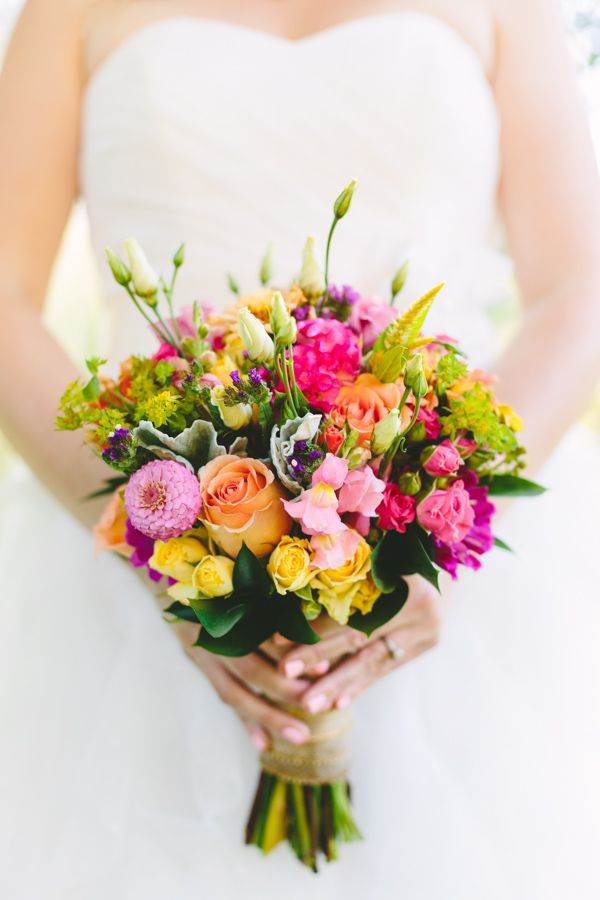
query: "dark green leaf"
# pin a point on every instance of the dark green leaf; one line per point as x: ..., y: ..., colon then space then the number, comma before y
x: 384, y: 564
x: 512, y: 486
x: 246, y: 636
x: 181, y: 611
x: 292, y: 623
x: 220, y: 615
x: 498, y: 542
x: 414, y: 555
x: 110, y: 486
x: 386, y: 607
x: 249, y: 576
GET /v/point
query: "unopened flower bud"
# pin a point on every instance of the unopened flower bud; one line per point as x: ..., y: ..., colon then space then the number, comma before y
x: 399, y: 280
x: 145, y: 280
x: 311, y: 279
x: 410, y: 483
x: 266, y: 266
x: 385, y: 432
x: 208, y: 359
x: 414, y: 376
x: 342, y: 204
x: 179, y: 258
x: 283, y: 325
x: 254, y: 337
x: 358, y: 457
x: 121, y: 273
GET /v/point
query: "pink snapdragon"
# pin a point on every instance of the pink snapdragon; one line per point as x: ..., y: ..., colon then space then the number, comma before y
x: 361, y: 494
x: 445, y: 460
x: 317, y: 508
x: 447, y: 514
x: 332, y: 551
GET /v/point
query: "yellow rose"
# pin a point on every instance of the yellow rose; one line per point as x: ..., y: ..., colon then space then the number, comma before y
x: 289, y: 564
x: 366, y: 595
x: 234, y: 417
x: 222, y: 368
x: 213, y: 577
x: 177, y: 557
x: 338, y: 587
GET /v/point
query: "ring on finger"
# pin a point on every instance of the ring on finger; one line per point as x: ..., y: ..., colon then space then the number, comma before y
x: 395, y: 651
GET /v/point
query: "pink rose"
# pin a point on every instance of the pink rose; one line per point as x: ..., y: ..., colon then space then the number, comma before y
x: 448, y: 514
x: 396, y: 509
x: 431, y: 421
x: 445, y: 460
x: 369, y: 317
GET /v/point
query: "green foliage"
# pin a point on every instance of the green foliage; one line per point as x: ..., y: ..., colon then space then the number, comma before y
x: 249, y: 576
x: 511, y: 486
x: 181, y: 611
x: 473, y: 411
x: 449, y: 369
x: 398, y: 554
x: 220, y: 615
x: 160, y: 408
x: 390, y: 364
x: 498, y: 542
x: 291, y: 621
x: 386, y: 607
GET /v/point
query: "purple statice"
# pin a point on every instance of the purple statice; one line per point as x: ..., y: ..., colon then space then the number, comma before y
x: 478, y: 540
x: 303, y: 460
x: 143, y: 548
x: 119, y: 446
x: 343, y: 294
x: 300, y: 313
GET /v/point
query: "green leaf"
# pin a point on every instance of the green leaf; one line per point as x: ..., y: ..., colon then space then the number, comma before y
x: 181, y: 611
x: 110, y: 486
x: 249, y: 576
x: 498, y: 542
x: 91, y: 390
x: 512, y: 486
x: 386, y: 607
x: 292, y: 623
x: 398, y: 554
x: 245, y: 637
x: 384, y: 569
x: 220, y: 615
x: 390, y: 365
x: 193, y: 447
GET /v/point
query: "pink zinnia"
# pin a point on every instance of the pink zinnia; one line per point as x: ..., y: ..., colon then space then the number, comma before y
x: 163, y: 499
x: 326, y: 356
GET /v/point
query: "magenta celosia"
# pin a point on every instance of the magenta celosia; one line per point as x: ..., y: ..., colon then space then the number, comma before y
x: 478, y: 540
x: 163, y: 499
x: 326, y: 355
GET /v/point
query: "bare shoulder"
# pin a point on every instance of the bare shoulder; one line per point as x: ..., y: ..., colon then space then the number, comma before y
x: 528, y: 22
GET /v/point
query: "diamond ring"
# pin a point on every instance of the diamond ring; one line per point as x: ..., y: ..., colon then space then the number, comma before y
x: 394, y: 650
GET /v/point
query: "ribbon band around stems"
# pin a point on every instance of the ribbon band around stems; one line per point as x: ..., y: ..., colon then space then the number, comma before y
x: 323, y: 759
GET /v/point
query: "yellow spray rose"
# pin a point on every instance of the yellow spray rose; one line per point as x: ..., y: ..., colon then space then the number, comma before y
x: 177, y: 557
x: 289, y: 564
x: 222, y: 367
x: 366, y: 595
x: 234, y: 417
x: 338, y: 587
x: 213, y: 577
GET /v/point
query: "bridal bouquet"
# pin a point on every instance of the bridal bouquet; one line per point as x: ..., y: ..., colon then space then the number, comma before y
x: 295, y: 456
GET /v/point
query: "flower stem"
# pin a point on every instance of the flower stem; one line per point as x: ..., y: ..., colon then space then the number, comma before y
x: 327, y: 251
x: 153, y: 325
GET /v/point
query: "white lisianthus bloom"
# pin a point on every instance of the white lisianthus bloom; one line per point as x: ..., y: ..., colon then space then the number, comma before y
x: 145, y: 279
x: 255, y: 338
x: 311, y: 279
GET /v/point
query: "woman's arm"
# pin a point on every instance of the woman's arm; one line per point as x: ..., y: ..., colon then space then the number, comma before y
x: 550, y: 200
x: 40, y: 99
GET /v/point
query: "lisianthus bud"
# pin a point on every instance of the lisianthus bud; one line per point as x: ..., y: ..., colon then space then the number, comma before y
x: 145, y: 280
x: 121, y: 273
x: 358, y: 457
x: 414, y: 376
x: 266, y: 266
x: 399, y: 280
x: 179, y: 258
x: 234, y: 417
x: 311, y: 279
x: 254, y: 336
x: 410, y: 483
x: 385, y: 432
x: 283, y: 325
x: 342, y: 204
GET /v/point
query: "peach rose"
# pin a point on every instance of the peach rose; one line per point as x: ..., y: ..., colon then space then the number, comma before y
x: 109, y: 533
x: 365, y: 403
x: 241, y: 502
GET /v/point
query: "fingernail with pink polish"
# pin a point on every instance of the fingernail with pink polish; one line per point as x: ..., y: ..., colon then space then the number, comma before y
x: 343, y: 702
x: 316, y: 703
x: 321, y: 667
x: 295, y: 735
x: 293, y: 668
x: 259, y: 740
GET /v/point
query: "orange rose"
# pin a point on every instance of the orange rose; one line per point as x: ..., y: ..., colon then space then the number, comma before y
x: 241, y: 502
x: 109, y: 533
x: 363, y: 404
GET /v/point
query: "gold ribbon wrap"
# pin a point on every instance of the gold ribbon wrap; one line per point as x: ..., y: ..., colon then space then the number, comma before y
x: 323, y: 759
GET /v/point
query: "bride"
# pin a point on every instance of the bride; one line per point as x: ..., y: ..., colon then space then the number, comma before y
x: 226, y: 125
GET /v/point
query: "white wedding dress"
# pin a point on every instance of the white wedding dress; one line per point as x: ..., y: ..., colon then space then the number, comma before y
x: 475, y: 768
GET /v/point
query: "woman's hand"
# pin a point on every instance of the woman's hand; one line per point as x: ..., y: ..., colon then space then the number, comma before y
x: 248, y: 684
x: 362, y: 661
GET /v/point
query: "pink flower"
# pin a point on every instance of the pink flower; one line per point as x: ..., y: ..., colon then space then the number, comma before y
x: 431, y: 421
x: 448, y: 514
x: 445, y: 460
x: 317, y: 508
x: 361, y: 492
x: 326, y: 356
x: 163, y: 499
x: 369, y: 317
x: 479, y: 538
x: 466, y: 446
x: 396, y: 510
x: 332, y: 551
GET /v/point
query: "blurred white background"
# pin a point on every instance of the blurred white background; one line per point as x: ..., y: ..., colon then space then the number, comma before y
x: 74, y: 310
